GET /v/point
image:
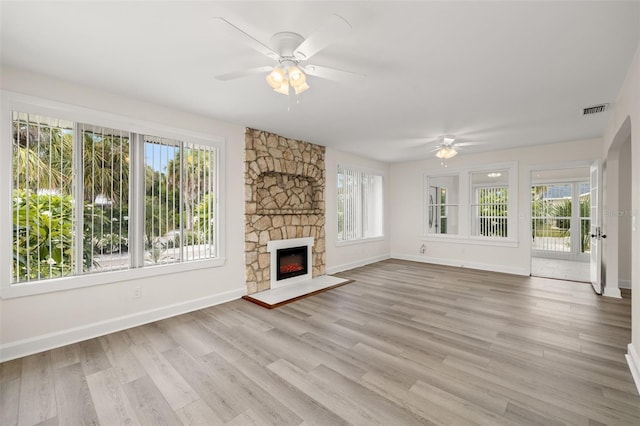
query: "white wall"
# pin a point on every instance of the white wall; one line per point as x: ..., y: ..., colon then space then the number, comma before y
x: 407, y: 212
x: 627, y: 107
x: 340, y: 258
x: 624, y: 217
x: 32, y: 323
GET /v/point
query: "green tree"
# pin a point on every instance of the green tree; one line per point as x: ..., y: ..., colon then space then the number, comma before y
x: 43, y: 231
x: 106, y: 167
x: 41, y: 157
x: 563, y: 210
x: 43, y: 208
x: 188, y: 172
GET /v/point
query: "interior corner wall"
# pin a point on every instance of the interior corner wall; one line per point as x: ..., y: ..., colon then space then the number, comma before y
x: 627, y: 107
x: 407, y: 213
x: 348, y: 256
x: 30, y: 324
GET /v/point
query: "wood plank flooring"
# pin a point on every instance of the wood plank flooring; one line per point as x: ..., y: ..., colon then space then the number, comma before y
x: 406, y: 343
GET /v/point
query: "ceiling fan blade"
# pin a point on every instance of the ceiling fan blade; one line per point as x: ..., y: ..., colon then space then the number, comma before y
x: 333, y: 29
x: 236, y: 32
x: 238, y: 74
x: 332, y: 73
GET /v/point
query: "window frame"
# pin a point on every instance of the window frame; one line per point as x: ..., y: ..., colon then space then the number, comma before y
x: 11, y: 101
x: 512, y: 203
x: 475, y: 202
x: 465, y: 197
x: 361, y: 240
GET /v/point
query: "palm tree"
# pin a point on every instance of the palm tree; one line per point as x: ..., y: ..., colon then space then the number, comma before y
x: 41, y: 157
x: 106, y: 167
x: 43, y: 163
x: 189, y: 173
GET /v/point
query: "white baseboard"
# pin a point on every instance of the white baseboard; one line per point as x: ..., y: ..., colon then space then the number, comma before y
x: 624, y: 284
x: 77, y: 334
x: 634, y: 364
x: 612, y: 292
x: 461, y: 264
x: 356, y: 264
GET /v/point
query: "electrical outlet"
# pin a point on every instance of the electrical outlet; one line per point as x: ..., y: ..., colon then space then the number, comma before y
x: 137, y: 292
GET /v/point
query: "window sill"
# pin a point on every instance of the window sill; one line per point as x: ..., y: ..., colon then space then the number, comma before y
x: 484, y: 241
x: 88, y: 280
x: 359, y: 241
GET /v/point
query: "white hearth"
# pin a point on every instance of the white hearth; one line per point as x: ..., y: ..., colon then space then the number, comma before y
x: 275, y: 245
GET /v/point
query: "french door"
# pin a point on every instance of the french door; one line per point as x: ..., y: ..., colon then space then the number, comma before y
x: 596, y: 235
x: 560, y: 225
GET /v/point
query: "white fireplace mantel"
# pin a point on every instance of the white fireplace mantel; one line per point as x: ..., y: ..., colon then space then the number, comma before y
x: 275, y: 245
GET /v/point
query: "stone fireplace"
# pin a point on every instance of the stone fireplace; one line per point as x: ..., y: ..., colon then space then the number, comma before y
x: 284, y: 201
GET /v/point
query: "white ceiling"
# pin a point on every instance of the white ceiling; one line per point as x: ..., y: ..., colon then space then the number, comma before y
x: 502, y: 74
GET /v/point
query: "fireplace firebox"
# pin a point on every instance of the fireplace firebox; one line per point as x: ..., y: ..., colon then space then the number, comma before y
x: 291, y: 262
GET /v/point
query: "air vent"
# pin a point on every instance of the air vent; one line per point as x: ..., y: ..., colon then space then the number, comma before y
x: 595, y: 109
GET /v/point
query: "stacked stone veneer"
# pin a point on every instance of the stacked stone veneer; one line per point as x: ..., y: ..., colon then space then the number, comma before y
x: 284, y: 198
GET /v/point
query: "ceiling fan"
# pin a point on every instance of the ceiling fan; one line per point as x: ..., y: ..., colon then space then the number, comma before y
x: 448, y: 148
x: 291, y: 51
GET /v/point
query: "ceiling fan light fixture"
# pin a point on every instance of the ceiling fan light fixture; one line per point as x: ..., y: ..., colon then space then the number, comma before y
x: 282, y: 78
x: 446, y: 152
x: 283, y: 89
x: 276, y: 78
x: 296, y: 76
x: 301, y: 88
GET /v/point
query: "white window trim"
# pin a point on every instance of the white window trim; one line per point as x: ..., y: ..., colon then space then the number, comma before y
x: 464, y: 210
x: 11, y: 101
x: 339, y: 243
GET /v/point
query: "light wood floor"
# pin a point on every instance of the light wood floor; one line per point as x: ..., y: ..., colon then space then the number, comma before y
x: 406, y: 343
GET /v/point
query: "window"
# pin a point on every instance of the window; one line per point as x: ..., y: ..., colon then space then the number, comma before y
x: 476, y: 205
x: 442, y: 204
x: 359, y: 205
x: 179, y: 220
x: 87, y: 199
x: 490, y: 203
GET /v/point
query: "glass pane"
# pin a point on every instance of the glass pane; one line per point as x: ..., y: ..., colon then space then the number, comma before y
x: 442, y: 205
x: 585, y: 217
x: 42, y: 198
x: 551, y: 213
x: 359, y: 204
x: 181, y: 201
x: 490, y: 190
x: 163, y: 224
x: 106, y: 198
x: 198, y: 193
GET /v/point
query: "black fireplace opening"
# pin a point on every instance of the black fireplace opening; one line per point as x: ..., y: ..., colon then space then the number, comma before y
x: 291, y: 262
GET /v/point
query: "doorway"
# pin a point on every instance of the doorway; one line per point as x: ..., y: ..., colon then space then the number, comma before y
x: 617, y: 254
x: 560, y: 223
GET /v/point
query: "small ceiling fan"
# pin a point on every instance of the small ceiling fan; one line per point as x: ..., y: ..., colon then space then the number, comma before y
x: 291, y: 51
x: 448, y: 148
